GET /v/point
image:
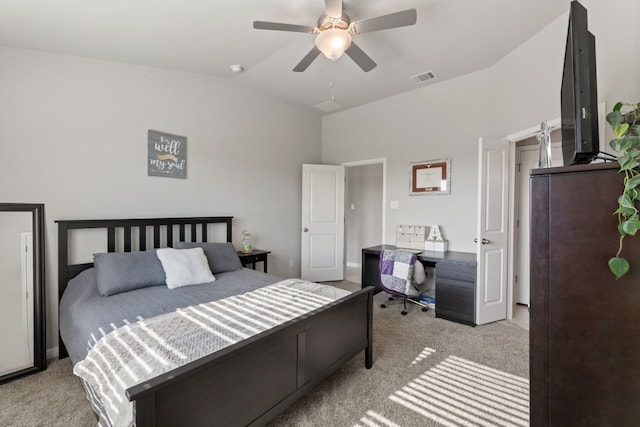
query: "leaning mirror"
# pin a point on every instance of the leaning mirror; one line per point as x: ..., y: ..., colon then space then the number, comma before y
x: 22, y: 316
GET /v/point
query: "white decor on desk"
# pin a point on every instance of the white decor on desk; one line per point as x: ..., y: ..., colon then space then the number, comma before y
x: 436, y: 245
x: 435, y: 242
x: 411, y: 236
x: 434, y: 233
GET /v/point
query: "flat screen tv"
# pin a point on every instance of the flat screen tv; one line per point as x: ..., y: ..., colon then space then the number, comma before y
x: 578, y: 97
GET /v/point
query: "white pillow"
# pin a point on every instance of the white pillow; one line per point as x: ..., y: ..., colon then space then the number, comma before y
x: 419, y: 275
x: 185, y: 267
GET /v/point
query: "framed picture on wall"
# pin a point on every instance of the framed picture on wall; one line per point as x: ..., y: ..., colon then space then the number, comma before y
x: 166, y: 155
x: 430, y: 177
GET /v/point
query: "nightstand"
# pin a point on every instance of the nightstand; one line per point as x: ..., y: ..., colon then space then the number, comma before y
x: 255, y: 256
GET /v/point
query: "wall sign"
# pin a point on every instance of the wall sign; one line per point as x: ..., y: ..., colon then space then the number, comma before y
x: 431, y: 177
x: 166, y: 155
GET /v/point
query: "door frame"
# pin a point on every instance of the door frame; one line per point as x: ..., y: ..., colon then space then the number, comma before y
x: 520, y: 136
x: 383, y: 161
x: 517, y: 213
x: 513, y: 139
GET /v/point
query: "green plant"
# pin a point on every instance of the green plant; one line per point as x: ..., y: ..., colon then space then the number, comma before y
x: 625, y: 122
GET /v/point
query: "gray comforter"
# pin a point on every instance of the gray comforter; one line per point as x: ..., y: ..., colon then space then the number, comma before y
x: 86, y: 316
x: 145, y: 349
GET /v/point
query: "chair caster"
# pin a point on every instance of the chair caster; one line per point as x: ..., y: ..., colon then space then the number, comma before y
x: 404, y: 313
x: 383, y: 306
x: 425, y: 309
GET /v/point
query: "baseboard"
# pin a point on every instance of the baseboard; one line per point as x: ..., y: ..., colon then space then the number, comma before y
x: 354, y: 264
x: 52, y: 353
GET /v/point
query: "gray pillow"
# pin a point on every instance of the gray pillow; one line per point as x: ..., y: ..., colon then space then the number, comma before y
x: 222, y: 257
x: 118, y: 272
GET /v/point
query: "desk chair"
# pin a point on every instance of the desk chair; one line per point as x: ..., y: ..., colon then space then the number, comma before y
x: 396, y: 274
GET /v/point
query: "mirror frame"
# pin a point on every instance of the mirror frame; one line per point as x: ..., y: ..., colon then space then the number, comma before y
x: 39, y: 335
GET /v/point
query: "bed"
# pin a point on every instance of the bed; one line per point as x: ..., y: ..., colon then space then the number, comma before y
x: 248, y: 382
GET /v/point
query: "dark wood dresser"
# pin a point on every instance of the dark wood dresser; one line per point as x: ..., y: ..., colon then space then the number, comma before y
x: 584, y: 324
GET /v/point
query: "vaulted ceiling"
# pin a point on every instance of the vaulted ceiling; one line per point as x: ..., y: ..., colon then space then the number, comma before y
x: 451, y: 38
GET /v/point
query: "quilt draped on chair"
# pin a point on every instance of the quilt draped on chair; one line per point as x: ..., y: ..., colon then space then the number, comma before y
x: 396, y: 270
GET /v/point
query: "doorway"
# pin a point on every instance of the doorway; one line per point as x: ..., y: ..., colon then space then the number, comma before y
x: 365, y: 194
x: 527, y: 158
x: 524, y: 153
x: 516, y: 139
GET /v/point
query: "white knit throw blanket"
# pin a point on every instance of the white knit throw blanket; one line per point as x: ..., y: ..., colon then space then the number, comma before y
x: 147, y: 348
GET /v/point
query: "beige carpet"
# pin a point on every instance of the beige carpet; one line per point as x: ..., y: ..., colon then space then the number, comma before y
x: 50, y: 398
x: 427, y: 372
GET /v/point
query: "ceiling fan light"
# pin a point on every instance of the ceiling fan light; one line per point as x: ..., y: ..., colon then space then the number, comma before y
x: 333, y: 42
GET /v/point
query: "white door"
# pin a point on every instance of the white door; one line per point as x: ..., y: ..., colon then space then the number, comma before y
x: 492, y: 231
x: 527, y: 159
x: 322, y: 253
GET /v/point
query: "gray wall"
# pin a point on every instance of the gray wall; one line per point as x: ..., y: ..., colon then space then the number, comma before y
x: 74, y: 137
x: 364, y: 221
x: 442, y: 120
x: 446, y: 119
x: 525, y: 84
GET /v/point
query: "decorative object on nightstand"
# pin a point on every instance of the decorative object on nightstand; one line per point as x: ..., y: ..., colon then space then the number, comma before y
x: 256, y: 255
x: 246, y: 242
x: 435, y: 242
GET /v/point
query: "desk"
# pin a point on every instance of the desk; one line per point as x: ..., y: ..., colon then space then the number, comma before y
x: 455, y: 280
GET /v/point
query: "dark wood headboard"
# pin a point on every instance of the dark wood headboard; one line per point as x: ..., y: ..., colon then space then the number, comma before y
x: 162, y: 232
x: 163, y: 235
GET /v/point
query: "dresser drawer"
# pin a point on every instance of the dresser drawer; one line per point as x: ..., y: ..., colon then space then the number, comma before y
x: 455, y: 300
x: 252, y: 258
x: 249, y: 259
x: 456, y: 271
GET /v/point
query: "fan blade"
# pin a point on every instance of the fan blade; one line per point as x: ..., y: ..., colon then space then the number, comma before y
x: 333, y: 8
x: 307, y: 60
x: 393, y: 20
x: 262, y: 25
x: 360, y: 58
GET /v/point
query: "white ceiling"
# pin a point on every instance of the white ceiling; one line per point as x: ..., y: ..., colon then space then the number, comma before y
x: 451, y: 38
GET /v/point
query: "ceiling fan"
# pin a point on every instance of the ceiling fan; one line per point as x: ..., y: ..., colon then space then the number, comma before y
x: 335, y: 31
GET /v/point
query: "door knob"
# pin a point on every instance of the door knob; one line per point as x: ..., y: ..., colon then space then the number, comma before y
x: 483, y: 241
x: 305, y: 229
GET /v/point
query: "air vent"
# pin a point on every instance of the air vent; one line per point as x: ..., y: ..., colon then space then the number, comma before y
x: 423, y: 77
x: 328, y: 106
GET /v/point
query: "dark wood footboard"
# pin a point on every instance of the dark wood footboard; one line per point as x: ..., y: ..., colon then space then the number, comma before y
x: 253, y: 381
